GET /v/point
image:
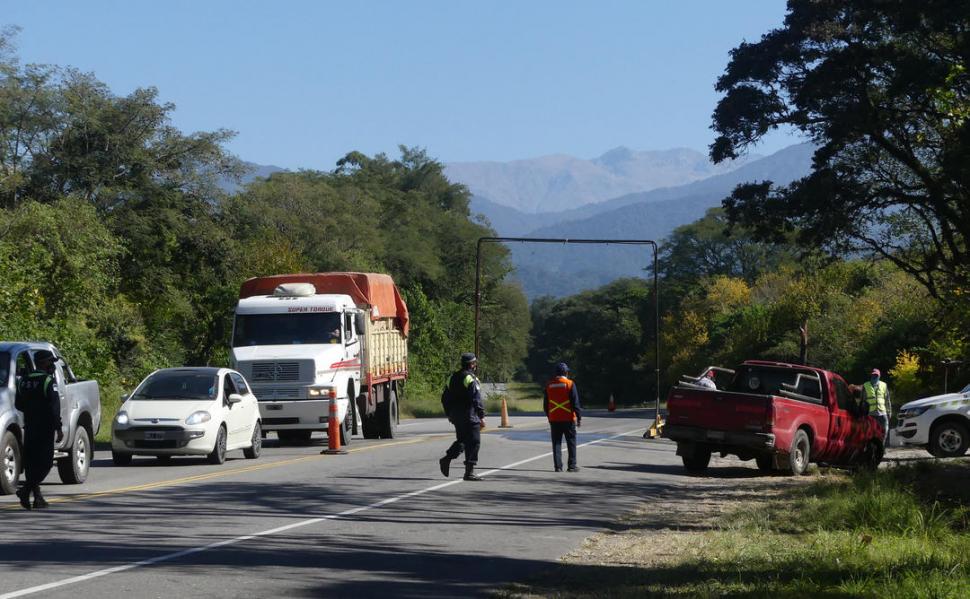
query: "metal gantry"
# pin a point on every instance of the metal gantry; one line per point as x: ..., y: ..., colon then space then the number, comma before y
x: 656, y: 287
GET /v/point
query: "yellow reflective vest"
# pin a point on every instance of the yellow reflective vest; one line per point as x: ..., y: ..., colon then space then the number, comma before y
x: 876, y: 396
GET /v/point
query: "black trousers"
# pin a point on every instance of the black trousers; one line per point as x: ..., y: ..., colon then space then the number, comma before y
x: 468, y: 440
x: 38, y: 454
x: 560, y: 430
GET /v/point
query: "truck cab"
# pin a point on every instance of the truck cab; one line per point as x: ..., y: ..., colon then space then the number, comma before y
x: 300, y: 350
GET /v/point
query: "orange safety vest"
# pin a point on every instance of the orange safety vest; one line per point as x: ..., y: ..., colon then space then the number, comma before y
x: 558, y: 391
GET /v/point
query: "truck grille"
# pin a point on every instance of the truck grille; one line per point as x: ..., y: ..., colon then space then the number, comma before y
x: 274, y: 393
x: 275, y: 371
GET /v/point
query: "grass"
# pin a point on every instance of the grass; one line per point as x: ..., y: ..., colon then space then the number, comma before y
x: 519, y: 397
x: 899, y: 532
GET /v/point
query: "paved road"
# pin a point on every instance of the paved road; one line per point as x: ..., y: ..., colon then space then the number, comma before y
x: 380, y: 521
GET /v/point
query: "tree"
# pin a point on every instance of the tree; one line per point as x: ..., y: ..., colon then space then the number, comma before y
x: 882, y: 88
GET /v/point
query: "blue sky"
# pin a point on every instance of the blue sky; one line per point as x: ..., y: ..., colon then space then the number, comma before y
x: 304, y: 82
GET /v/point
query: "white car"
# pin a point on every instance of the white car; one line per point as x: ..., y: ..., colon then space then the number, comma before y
x: 188, y: 411
x: 941, y: 423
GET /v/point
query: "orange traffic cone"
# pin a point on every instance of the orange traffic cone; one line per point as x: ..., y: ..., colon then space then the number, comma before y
x: 333, y: 431
x: 611, y: 406
x: 505, y: 415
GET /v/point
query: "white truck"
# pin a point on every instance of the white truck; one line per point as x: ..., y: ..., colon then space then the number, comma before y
x: 941, y: 423
x: 306, y: 340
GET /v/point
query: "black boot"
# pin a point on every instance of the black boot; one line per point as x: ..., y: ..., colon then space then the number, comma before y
x: 444, y: 464
x: 470, y: 473
x: 39, y: 501
x: 23, y: 494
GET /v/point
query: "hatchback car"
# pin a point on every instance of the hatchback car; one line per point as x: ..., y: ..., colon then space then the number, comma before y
x: 187, y: 411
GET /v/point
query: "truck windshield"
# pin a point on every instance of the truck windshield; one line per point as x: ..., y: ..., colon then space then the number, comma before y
x: 4, y: 368
x: 178, y: 385
x: 286, y: 329
x: 768, y: 381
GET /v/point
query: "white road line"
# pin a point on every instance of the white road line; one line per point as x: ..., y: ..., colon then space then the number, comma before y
x: 272, y: 531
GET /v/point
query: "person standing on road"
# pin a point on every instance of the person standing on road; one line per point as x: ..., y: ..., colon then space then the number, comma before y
x: 876, y: 395
x: 560, y: 402
x: 39, y: 400
x: 462, y: 401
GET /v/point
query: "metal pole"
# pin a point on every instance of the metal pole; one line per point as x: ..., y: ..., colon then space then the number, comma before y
x: 478, y: 289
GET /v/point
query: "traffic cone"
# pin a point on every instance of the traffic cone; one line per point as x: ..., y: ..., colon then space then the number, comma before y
x: 505, y: 415
x: 333, y: 431
x: 611, y: 406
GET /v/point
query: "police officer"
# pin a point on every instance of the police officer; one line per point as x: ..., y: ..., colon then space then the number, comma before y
x: 561, y: 404
x: 876, y: 394
x: 39, y: 400
x: 462, y: 400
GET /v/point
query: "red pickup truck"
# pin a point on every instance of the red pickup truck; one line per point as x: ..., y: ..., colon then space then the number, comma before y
x: 781, y: 415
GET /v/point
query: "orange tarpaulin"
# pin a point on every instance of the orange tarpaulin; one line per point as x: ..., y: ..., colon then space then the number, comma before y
x: 369, y: 288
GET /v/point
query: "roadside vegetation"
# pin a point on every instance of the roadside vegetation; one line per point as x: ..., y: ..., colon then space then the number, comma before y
x: 898, y: 532
x: 520, y: 398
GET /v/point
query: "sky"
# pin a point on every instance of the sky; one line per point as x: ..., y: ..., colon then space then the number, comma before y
x: 305, y: 82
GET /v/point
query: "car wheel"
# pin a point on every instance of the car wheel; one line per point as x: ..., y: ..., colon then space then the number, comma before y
x: 218, y: 455
x: 696, y: 459
x: 949, y: 439
x: 766, y: 463
x: 120, y: 459
x: 73, y: 469
x: 12, y: 463
x: 800, y: 453
x: 256, y: 444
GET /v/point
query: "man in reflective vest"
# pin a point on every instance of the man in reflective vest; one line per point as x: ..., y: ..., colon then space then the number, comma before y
x: 462, y: 402
x: 561, y: 405
x: 876, y: 395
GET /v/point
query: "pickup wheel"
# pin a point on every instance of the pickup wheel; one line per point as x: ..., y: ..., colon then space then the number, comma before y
x: 73, y: 469
x: 800, y: 453
x: 949, y: 439
x: 697, y: 459
x: 766, y: 463
x: 256, y: 443
x: 12, y: 463
x: 872, y: 455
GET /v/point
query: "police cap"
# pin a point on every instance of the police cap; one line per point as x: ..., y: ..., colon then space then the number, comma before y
x: 468, y: 358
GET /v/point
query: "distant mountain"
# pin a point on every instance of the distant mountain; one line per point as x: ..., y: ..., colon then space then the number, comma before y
x: 253, y: 171
x: 565, y: 270
x: 560, y: 182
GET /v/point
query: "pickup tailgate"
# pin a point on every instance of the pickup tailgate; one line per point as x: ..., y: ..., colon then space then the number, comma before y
x: 719, y: 410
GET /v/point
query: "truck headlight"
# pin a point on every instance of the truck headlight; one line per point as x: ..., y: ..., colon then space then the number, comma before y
x: 321, y: 392
x: 122, y: 418
x: 198, y: 417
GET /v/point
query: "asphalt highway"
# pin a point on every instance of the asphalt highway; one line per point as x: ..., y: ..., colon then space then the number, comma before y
x: 379, y: 521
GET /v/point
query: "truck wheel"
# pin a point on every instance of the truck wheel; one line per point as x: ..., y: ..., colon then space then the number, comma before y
x: 766, y: 463
x: 10, y: 453
x: 74, y: 468
x: 949, y: 439
x: 370, y: 421
x: 801, y: 452
x: 256, y: 443
x: 387, y: 414
x: 120, y: 459
x: 218, y: 455
x: 697, y: 459
x: 345, y: 433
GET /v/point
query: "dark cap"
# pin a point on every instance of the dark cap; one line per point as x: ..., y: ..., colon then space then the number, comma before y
x: 468, y: 358
x: 561, y: 368
x: 44, y: 356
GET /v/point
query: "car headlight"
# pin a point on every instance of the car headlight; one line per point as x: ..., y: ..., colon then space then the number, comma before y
x: 912, y: 412
x: 198, y: 417
x: 122, y: 418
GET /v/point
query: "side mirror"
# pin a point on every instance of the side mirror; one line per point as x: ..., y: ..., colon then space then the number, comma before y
x: 234, y: 398
x: 359, y: 322
x: 124, y: 397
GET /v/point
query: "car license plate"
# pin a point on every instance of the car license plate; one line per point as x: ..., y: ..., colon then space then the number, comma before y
x: 719, y: 435
x: 154, y: 436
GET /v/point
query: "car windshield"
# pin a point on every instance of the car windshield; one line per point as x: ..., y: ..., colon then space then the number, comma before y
x: 179, y: 385
x: 4, y: 368
x: 768, y: 381
x: 286, y: 329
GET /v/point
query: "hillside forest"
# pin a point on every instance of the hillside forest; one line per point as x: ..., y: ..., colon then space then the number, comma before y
x: 119, y: 242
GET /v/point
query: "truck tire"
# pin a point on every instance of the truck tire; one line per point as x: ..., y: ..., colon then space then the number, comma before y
x: 120, y: 459
x: 696, y: 459
x: 766, y: 463
x: 12, y: 462
x: 370, y: 421
x: 949, y: 439
x: 345, y: 433
x: 256, y: 443
x: 73, y: 469
x: 800, y: 453
x: 387, y: 414
x: 218, y: 454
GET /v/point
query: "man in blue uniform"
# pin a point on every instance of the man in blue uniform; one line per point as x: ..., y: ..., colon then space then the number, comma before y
x: 462, y: 401
x: 40, y: 402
